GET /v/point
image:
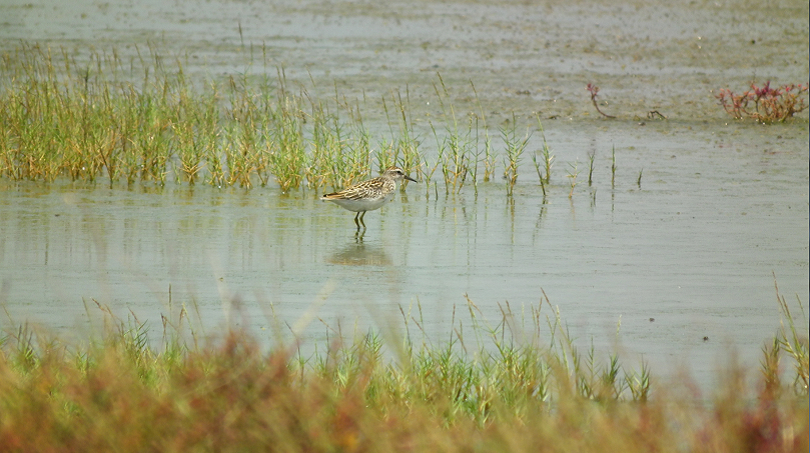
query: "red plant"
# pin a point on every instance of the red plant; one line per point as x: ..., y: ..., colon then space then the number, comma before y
x: 594, y: 90
x: 765, y: 104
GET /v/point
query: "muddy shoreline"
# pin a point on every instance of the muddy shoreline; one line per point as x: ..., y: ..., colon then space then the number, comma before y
x: 523, y: 58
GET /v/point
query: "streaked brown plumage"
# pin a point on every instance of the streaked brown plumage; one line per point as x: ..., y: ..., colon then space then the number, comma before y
x: 368, y: 195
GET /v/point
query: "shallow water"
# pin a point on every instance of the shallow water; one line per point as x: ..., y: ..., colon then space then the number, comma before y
x: 694, y: 249
x: 690, y: 254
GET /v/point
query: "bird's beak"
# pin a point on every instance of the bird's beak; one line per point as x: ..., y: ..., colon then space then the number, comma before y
x: 410, y: 179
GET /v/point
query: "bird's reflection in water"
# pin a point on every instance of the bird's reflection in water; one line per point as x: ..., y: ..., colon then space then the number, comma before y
x: 358, y: 253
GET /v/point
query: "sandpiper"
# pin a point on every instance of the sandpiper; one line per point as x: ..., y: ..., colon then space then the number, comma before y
x: 368, y: 195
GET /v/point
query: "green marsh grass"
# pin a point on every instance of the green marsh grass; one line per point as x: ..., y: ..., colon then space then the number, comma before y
x: 144, y: 120
x: 403, y: 147
x: 195, y: 130
x: 514, y: 146
x: 341, y: 151
x: 454, y: 156
x: 792, y: 342
x: 511, y: 386
x: 455, y: 147
x: 82, y: 120
x: 572, y: 175
x: 329, y: 165
x: 483, y: 144
x: 547, y: 160
x: 286, y: 138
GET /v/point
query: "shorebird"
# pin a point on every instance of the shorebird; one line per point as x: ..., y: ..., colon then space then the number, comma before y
x: 368, y: 195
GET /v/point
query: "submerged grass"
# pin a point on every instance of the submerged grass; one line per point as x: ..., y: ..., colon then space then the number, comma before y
x: 510, y: 387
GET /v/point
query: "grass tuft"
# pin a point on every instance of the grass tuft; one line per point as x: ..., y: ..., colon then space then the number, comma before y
x: 510, y: 386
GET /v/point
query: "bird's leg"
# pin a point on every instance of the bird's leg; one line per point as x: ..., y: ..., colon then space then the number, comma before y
x: 356, y: 216
x: 361, y: 220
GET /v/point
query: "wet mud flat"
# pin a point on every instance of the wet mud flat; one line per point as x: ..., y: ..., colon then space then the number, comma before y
x: 522, y: 57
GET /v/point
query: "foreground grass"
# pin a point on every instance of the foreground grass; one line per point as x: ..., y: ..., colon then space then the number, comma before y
x: 467, y: 395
